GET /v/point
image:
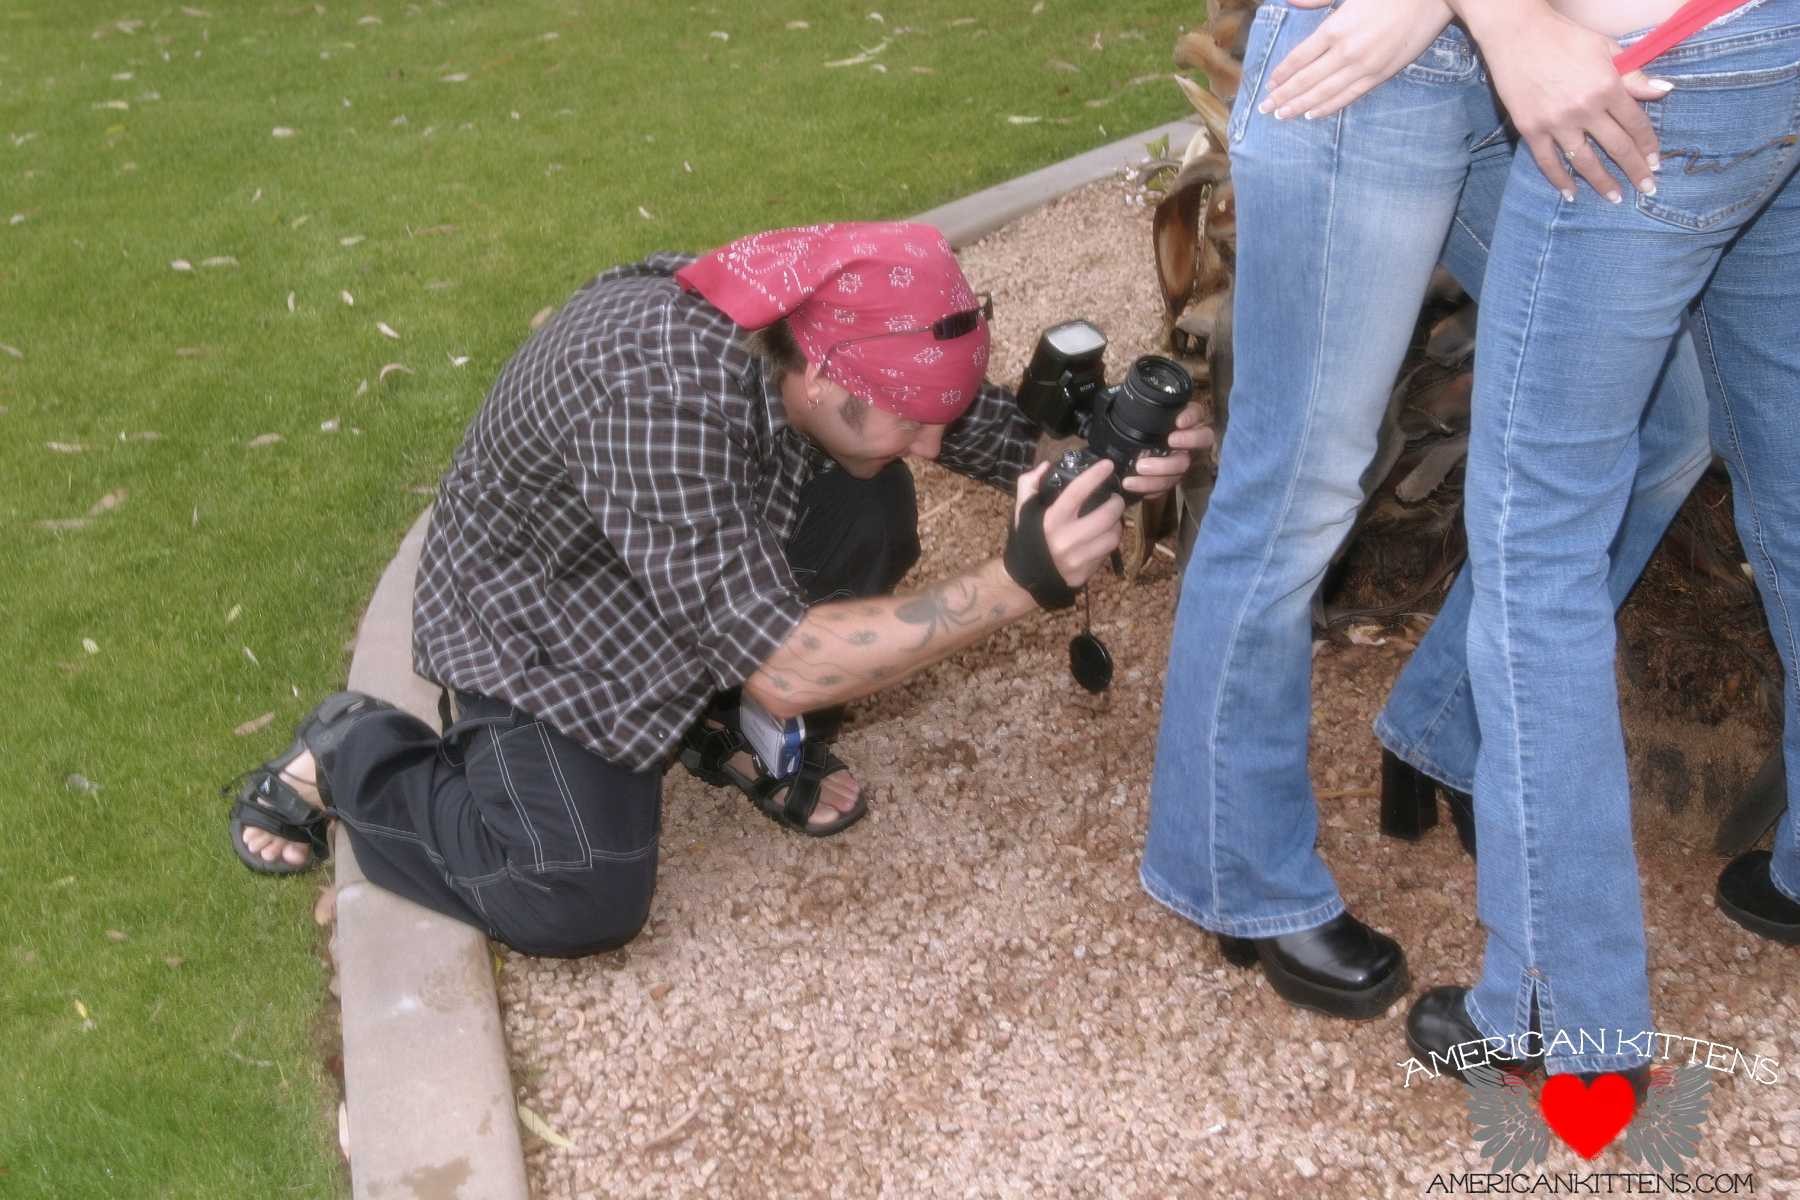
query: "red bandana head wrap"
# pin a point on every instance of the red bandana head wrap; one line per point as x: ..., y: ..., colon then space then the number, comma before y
x: 838, y: 282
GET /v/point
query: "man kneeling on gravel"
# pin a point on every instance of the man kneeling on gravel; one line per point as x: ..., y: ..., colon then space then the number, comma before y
x: 673, y: 529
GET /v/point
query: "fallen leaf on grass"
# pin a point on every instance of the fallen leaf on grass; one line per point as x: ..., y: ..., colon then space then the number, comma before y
x: 174, y: 960
x: 64, y: 447
x: 90, y: 645
x: 362, y: 387
x: 858, y: 60
x: 539, y: 1127
x: 192, y: 351
x: 325, y: 907
x: 290, y: 302
x: 236, y: 611
x: 108, y: 502
x: 11, y: 351
x: 370, y: 20
x: 87, y: 1021
x: 146, y: 435
x: 117, y: 935
x: 799, y: 25
x: 283, y: 132
x: 542, y: 315
x: 251, y: 655
x: 1023, y: 120
x: 16, y: 219
x: 390, y: 368
x: 300, y: 220
x: 459, y: 360
x: 60, y: 524
x: 431, y: 231
x: 351, y: 240
x: 720, y: 34
x: 201, y: 13
x: 261, y: 440
x: 457, y: 77
x: 386, y: 330
x: 180, y: 264
x: 121, y: 105
x: 254, y: 725
x: 347, y: 298
x: 329, y: 426
x: 645, y: 213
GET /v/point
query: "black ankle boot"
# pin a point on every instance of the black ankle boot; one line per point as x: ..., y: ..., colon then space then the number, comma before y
x: 1439, y: 1021
x: 1409, y: 803
x: 1749, y: 896
x: 1341, y: 968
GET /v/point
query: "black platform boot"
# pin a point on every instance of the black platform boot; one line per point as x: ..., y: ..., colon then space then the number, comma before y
x: 1749, y: 896
x: 1341, y: 968
x: 1409, y: 803
x: 1439, y: 1021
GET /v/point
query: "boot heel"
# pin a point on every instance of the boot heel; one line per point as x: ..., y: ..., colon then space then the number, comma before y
x: 1408, y: 799
x: 1239, y: 952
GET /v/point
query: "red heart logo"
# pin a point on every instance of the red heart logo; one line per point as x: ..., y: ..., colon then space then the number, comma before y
x: 1588, y: 1118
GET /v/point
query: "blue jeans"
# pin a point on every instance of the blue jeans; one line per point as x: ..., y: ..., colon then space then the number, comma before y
x: 1340, y: 222
x: 1580, y: 308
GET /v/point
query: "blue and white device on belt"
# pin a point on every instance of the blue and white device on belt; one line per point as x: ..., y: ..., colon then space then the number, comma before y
x: 778, y: 744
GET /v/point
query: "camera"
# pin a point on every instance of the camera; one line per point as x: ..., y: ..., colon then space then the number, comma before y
x: 1065, y: 392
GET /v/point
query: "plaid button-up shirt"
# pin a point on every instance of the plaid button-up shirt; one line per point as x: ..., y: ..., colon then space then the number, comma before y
x: 606, y: 550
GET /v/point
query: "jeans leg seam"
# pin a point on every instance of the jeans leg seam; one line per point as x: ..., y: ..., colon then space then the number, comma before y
x: 1256, y: 581
x: 1767, y: 563
x: 1511, y: 671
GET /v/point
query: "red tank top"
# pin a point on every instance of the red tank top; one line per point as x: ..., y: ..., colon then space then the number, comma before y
x: 1692, y: 17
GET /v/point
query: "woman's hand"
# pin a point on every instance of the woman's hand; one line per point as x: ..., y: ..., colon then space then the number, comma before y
x: 1362, y: 44
x: 1559, y: 85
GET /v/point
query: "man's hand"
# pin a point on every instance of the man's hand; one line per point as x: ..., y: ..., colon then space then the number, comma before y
x: 1560, y: 88
x: 1157, y: 473
x: 1362, y: 44
x: 1078, y: 544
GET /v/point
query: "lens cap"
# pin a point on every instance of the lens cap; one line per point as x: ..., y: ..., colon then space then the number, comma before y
x: 1090, y: 662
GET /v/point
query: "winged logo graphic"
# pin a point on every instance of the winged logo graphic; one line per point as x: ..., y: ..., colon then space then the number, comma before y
x: 1505, y: 1114
x: 1666, y: 1130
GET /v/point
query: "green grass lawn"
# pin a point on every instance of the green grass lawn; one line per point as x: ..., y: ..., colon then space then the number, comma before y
x: 170, y: 573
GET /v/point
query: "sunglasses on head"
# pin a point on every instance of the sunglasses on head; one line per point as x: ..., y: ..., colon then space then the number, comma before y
x: 944, y: 329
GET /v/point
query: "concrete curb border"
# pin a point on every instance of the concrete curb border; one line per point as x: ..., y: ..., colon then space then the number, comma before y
x: 428, y: 1092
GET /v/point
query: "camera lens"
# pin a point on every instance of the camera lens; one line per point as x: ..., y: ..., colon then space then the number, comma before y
x: 1152, y: 396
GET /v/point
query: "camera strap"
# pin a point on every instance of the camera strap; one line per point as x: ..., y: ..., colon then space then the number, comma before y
x: 1027, y: 559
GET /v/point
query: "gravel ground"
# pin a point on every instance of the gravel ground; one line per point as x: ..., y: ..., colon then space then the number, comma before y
x: 968, y: 994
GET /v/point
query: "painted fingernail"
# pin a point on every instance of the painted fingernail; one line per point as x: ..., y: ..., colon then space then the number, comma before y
x: 1265, y: 106
x: 1661, y: 85
x: 1282, y: 114
x: 1655, y: 161
x: 1310, y: 114
x: 1647, y: 186
x: 1568, y: 196
x: 1615, y: 197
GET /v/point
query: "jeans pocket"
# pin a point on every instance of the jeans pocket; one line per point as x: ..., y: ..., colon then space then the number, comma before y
x: 1726, y: 140
x: 1449, y: 59
x: 1257, y: 52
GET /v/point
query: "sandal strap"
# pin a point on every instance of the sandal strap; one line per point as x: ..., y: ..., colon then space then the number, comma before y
x: 803, y: 787
x: 268, y: 802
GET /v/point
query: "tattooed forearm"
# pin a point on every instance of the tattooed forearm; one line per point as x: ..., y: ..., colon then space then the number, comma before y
x: 849, y: 648
x: 946, y: 606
